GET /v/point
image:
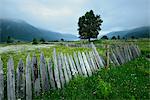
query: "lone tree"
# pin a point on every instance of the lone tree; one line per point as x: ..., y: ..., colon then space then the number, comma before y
x: 89, y: 25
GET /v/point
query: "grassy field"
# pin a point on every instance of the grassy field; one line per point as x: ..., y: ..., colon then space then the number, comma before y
x: 128, y: 81
x: 37, y: 51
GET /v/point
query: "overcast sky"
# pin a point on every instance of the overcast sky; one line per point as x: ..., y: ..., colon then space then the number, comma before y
x: 62, y: 15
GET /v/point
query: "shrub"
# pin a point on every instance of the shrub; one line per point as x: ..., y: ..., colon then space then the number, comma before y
x: 42, y: 40
x: 34, y: 41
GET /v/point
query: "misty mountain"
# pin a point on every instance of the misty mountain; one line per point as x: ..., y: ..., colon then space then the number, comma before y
x: 141, y: 32
x: 21, y: 30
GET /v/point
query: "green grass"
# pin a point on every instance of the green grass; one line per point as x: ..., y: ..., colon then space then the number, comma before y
x: 129, y: 81
x: 48, y: 52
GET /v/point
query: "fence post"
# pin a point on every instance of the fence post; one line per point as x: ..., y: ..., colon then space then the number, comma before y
x: 10, y: 80
x: 28, y: 79
x: 86, y: 64
x: 73, y: 71
x: 43, y: 72
x: 92, y: 61
x: 77, y: 64
x: 60, y: 69
x: 56, y: 72
x: 35, y: 76
x: 82, y: 64
x: 67, y: 67
x: 99, y: 60
x: 89, y: 61
x: 51, y: 74
x: 20, y: 90
x: 64, y: 68
x: 1, y: 80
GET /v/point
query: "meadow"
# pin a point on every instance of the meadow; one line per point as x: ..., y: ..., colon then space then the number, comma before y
x: 128, y: 81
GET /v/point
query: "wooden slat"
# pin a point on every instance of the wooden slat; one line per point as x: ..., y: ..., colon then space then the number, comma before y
x: 73, y: 71
x: 116, y: 53
x: 60, y: 68
x: 10, y: 80
x: 1, y: 80
x: 82, y: 64
x: 36, y: 76
x: 64, y: 68
x: 44, y: 75
x: 74, y: 66
x: 20, y: 88
x: 126, y: 54
x: 28, y: 79
x: 92, y: 61
x: 77, y: 64
x: 114, y: 58
x: 97, y: 56
x: 67, y: 67
x: 138, y: 49
x: 95, y: 60
x: 129, y: 51
x: 89, y: 61
x: 51, y: 74
x: 86, y: 64
x: 56, y: 72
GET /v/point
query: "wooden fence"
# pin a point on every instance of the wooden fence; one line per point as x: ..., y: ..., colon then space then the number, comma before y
x: 33, y: 78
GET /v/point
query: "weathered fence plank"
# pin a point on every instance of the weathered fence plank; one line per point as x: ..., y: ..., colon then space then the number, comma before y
x: 64, y: 68
x: 95, y: 60
x: 82, y: 64
x: 28, y: 79
x: 73, y: 71
x: 118, y: 52
x: 1, y: 80
x: 89, y: 61
x: 77, y: 64
x: 114, y: 58
x: 117, y: 56
x: 126, y: 54
x: 74, y: 66
x: 86, y: 64
x: 56, y: 72
x: 43, y: 72
x: 67, y: 67
x: 36, y: 76
x: 138, y: 49
x: 51, y: 74
x: 130, y: 53
x: 97, y: 56
x: 92, y: 61
x: 60, y: 68
x: 20, y: 88
x: 10, y: 80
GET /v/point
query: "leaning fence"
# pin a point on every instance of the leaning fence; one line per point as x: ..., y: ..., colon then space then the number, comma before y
x: 35, y: 77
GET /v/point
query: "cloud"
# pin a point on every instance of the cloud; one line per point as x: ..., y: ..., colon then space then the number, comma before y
x: 62, y: 15
x: 45, y: 13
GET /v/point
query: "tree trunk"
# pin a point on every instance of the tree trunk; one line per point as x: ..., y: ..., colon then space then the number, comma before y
x: 89, y: 39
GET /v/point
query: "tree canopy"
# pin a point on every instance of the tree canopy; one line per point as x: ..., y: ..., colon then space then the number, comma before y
x: 89, y: 25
